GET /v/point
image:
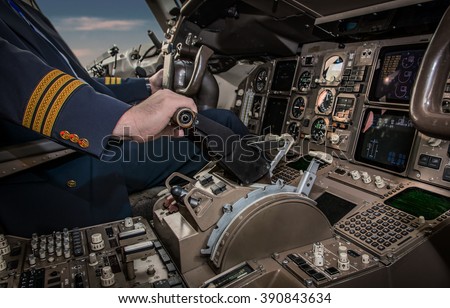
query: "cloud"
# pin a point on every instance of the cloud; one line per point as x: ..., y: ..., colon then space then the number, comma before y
x: 83, y: 52
x: 86, y: 23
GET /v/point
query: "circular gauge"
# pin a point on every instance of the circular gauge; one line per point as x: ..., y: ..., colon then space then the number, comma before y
x: 294, y: 130
x: 319, y: 130
x: 304, y: 81
x: 260, y: 80
x: 324, y: 103
x: 446, y: 106
x: 298, y: 107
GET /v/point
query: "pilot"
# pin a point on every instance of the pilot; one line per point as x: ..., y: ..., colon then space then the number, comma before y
x: 121, y: 147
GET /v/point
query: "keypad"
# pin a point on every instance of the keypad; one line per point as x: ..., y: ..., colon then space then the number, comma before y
x: 379, y: 226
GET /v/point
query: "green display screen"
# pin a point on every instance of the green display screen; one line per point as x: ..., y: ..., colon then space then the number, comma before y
x: 419, y: 202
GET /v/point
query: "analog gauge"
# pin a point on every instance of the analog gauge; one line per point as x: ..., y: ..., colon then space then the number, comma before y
x: 319, y: 130
x: 260, y: 80
x: 324, y: 103
x: 294, y: 130
x: 298, y: 107
x: 446, y: 106
x: 304, y: 81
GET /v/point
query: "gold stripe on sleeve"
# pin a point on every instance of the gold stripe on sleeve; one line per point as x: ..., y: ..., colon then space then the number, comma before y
x: 58, y: 104
x: 107, y: 80
x: 36, y: 96
x: 47, y: 101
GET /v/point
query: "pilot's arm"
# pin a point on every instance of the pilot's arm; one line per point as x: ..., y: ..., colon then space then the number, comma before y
x: 67, y: 110
x: 132, y: 90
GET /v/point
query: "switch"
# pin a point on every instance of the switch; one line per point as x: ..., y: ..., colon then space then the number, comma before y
x: 206, y: 179
x: 128, y: 221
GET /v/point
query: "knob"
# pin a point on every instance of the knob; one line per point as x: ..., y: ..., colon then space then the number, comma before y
x: 107, y: 278
x: 128, y: 222
x: 151, y: 271
x: 58, y: 251
x: 32, y: 259
x: 355, y: 175
x: 318, y: 248
x: 366, y: 177
x: 341, y: 249
x: 58, y: 236
x: 318, y: 259
x: 42, y: 254
x: 67, y: 253
x: 97, y: 242
x: 238, y: 103
x: 34, y: 236
x: 434, y: 142
x: 2, y: 263
x: 34, y: 244
x: 343, y: 262
x: 379, y: 182
x: 93, y: 259
x: 51, y: 249
x: 365, y: 259
x: 421, y: 220
x: 334, y: 138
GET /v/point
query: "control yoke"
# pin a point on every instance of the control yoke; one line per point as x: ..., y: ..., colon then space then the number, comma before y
x: 200, y: 66
x: 426, y: 100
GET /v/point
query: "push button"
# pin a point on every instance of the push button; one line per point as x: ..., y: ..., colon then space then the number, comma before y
x: 446, y: 176
x: 423, y: 160
x: 435, y: 162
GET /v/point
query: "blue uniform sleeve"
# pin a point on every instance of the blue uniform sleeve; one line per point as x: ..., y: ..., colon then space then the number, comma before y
x: 129, y: 90
x: 53, y: 103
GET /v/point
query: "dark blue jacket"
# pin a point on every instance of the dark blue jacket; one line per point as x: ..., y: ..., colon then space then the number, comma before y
x: 40, y: 97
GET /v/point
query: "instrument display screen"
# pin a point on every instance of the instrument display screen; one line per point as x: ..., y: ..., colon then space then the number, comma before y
x: 395, y: 74
x: 385, y: 139
x: 419, y: 202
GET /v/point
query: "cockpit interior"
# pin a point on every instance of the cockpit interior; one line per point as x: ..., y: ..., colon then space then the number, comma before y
x: 349, y: 105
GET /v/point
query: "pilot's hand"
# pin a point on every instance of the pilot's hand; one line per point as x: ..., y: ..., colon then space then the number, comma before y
x: 151, y: 118
x: 156, y: 81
